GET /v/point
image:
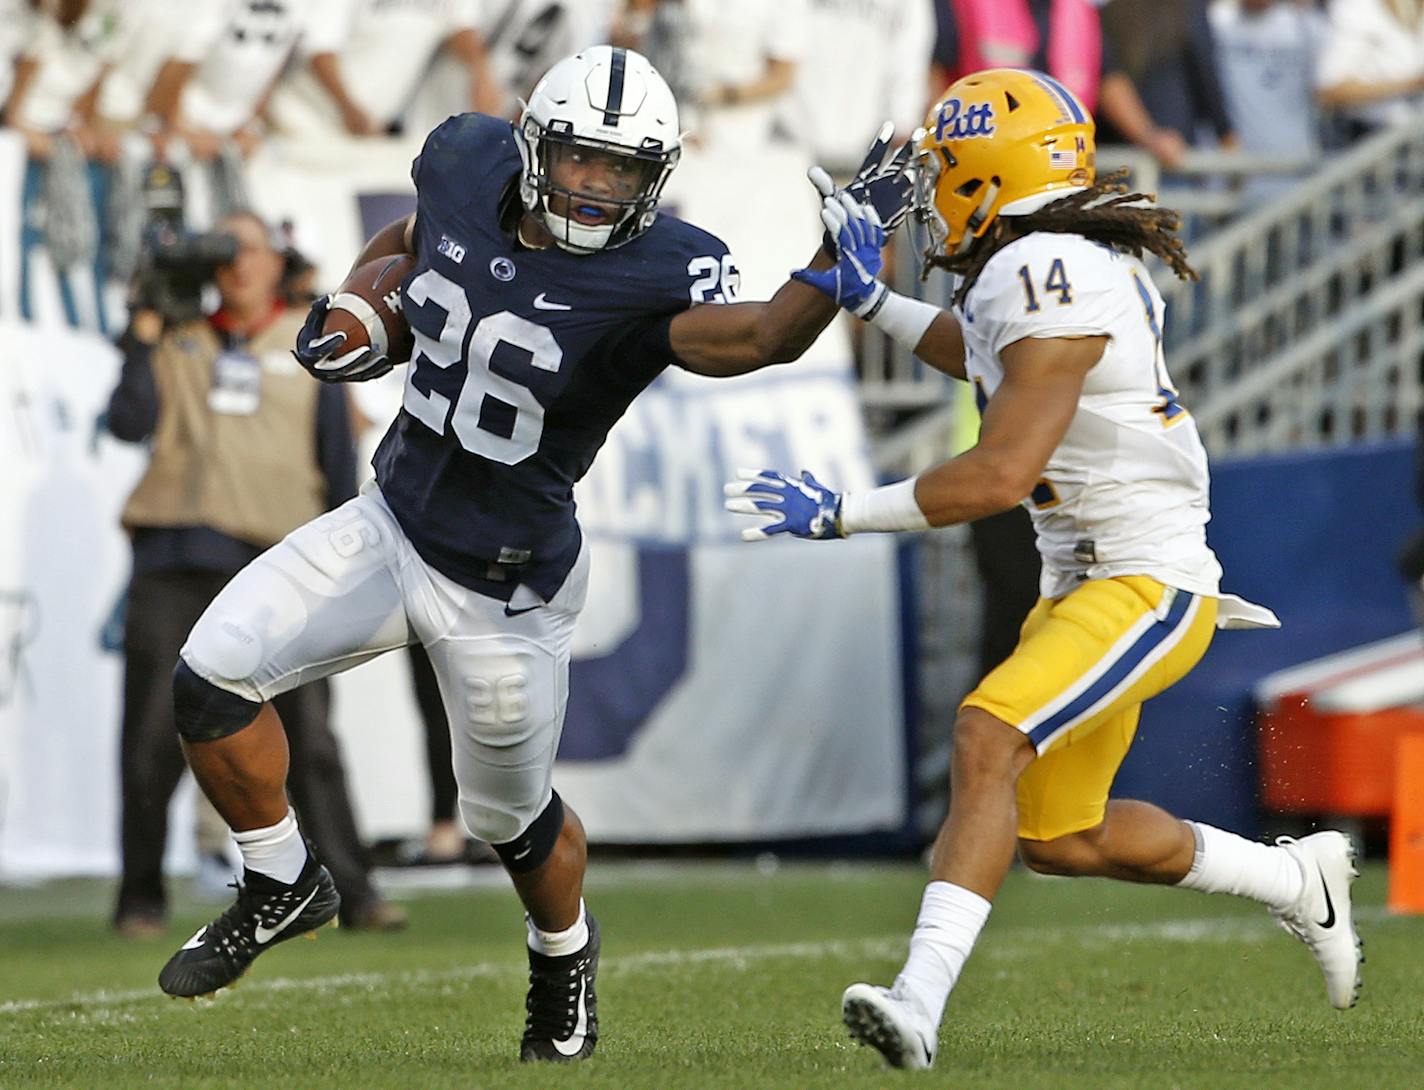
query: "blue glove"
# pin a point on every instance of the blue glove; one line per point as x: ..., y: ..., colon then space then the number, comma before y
x: 317, y: 352
x: 885, y: 182
x: 851, y: 282
x: 804, y: 507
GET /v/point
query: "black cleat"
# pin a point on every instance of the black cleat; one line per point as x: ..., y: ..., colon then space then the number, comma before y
x: 267, y: 912
x: 562, y: 1019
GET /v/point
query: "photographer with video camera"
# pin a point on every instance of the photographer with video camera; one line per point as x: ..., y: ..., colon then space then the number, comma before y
x: 245, y: 447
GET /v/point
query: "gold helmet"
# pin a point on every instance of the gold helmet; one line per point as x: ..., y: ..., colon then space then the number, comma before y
x: 1001, y: 142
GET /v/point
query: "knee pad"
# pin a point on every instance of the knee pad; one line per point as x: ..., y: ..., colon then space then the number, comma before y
x: 203, y: 712
x: 533, y: 846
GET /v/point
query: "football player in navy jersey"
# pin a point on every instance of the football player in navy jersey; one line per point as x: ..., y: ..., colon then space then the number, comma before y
x: 547, y: 292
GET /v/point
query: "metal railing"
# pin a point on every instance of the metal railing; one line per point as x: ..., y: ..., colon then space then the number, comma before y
x: 1304, y: 328
x: 1291, y: 315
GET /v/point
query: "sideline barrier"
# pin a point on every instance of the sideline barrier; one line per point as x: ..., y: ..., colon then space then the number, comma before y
x: 1406, y: 834
x: 1328, y: 729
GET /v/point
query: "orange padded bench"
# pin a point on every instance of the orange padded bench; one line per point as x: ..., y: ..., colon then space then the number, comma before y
x: 1344, y: 735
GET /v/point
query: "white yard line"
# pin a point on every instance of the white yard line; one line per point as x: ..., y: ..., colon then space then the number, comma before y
x: 1192, y: 930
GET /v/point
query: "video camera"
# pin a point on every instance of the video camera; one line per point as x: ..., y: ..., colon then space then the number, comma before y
x: 174, y: 270
x: 175, y: 264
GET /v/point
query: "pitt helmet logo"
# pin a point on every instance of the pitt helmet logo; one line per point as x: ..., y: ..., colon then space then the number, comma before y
x: 959, y: 122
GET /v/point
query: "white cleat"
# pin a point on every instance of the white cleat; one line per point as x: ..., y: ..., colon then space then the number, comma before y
x: 1322, y: 918
x: 891, y: 1024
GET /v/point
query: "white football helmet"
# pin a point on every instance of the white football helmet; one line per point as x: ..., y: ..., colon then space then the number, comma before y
x: 609, y: 100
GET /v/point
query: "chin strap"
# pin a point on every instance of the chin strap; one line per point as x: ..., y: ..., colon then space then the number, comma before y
x: 979, y: 215
x: 565, y: 230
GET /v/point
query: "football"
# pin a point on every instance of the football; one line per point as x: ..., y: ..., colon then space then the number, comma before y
x: 367, y: 308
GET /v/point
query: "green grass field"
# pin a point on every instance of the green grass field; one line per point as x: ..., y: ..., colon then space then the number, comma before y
x: 720, y: 976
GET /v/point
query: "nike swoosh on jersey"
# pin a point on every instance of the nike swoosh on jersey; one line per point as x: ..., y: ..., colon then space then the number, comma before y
x: 263, y: 935
x: 517, y: 612
x: 574, y: 1043
x: 543, y: 302
x: 1329, y: 920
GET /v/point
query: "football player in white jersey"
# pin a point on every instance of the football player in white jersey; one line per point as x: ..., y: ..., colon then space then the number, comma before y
x: 1057, y: 324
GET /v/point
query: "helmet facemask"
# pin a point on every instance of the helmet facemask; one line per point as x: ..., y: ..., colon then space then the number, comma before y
x: 927, y: 171
x: 972, y: 201
x: 618, y: 208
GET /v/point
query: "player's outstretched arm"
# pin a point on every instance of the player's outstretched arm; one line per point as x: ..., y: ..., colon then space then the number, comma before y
x: 729, y: 339
x: 930, y: 333
x: 735, y: 338
x: 1024, y: 422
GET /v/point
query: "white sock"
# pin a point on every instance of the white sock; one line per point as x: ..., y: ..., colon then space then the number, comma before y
x: 557, y: 943
x: 1227, y: 863
x: 950, y: 919
x: 278, y: 851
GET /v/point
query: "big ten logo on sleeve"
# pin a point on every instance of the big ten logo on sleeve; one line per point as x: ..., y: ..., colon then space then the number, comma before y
x: 451, y: 249
x: 959, y: 122
x: 237, y: 384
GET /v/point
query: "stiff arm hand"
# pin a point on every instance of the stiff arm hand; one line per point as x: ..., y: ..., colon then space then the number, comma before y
x: 318, y: 352
x: 802, y: 507
x: 851, y: 282
x: 884, y: 181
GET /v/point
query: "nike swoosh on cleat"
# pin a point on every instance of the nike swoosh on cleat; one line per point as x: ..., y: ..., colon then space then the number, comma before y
x: 574, y: 1044
x: 197, y: 939
x: 543, y: 302
x: 1329, y: 920
x: 263, y: 935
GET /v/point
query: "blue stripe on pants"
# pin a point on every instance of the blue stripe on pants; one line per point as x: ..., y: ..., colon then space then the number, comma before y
x: 1129, y: 661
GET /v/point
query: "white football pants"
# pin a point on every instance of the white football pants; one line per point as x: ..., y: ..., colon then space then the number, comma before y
x: 348, y: 586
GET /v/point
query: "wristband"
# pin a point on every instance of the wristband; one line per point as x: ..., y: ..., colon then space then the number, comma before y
x: 873, y: 303
x: 887, y: 508
x: 904, y: 319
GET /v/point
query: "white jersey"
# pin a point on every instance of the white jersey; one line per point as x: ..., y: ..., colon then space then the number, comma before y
x: 396, y: 39
x: 239, y: 49
x: 68, y: 62
x: 16, y: 19
x: 1366, y: 40
x: 887, y: 44
x: 154, y: 33
x: 1125, y: 492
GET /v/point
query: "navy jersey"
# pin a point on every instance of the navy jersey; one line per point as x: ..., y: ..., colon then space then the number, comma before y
x: 523, y: 361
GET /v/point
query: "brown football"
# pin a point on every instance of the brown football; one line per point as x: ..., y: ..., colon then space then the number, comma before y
x: 367, y: 308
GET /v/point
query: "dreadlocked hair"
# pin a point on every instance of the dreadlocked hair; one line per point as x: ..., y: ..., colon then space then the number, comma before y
x: 1104, y: 212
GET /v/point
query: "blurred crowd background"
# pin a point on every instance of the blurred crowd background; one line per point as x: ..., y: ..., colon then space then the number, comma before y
x: 102, y: 89
x: 1167, y: 76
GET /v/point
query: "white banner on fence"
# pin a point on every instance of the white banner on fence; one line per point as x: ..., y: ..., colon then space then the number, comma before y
x: 64, y: 564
